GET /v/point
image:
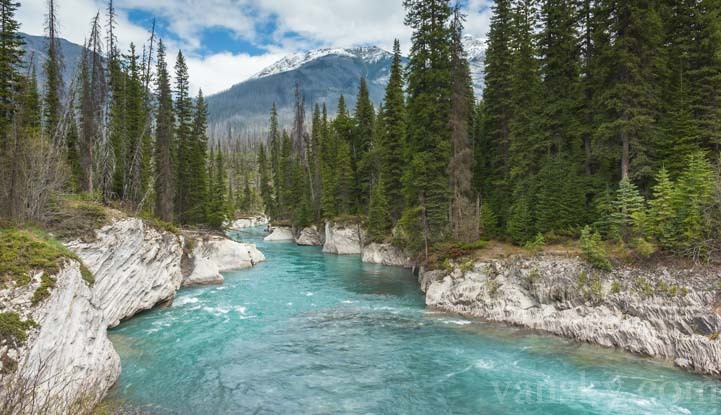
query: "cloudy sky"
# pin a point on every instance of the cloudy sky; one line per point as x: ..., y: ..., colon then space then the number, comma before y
x: 227, y: 41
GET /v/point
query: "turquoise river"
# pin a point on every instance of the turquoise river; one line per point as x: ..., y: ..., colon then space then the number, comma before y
x: 308, y: 333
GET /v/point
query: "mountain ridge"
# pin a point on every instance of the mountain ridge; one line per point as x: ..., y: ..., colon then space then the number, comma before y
x: 324, y: 75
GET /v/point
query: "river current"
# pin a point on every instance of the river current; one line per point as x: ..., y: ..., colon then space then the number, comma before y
x: 309, y: 333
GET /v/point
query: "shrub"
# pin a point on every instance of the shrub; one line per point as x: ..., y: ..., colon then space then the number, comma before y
x: 536, y: 243
x: 644, y: 287
x: 492, y: 287
x: 467, y: 266
x: 644, y: 248
x: 615, y: 287
x: 41, y: 293
x: 714, y: 336
x: 13, y: 330
x: 593, y: 251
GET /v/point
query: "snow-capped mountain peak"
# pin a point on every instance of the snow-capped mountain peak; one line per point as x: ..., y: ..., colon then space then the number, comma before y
x: 368, y: 54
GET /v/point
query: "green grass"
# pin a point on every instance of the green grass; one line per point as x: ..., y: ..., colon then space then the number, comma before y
x: 13, y: 330
x: 25, y: 251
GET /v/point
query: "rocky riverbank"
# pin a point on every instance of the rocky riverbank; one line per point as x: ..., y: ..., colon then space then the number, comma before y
x: 66, y: 364
x: 664, y: 312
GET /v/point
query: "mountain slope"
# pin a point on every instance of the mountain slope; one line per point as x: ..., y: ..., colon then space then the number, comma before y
x: 35, y: 51
x: 323, y: 74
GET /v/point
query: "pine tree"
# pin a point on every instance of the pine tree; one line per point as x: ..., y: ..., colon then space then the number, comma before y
x: 184, y: 137
x: 428, y: 139
x: 627, y: 205
x: 72, y: 153
x: 92, y: 103
x: 135, y: 123
x: 363, y: 127
x: 630, y: 61
x: 464, y: 217
x: 266, y: 192
x: 494, y: 143
x: 197, y: 186
x: 520, y: 220
x: 525, y: 145
x: 344, y: 179
x: 392, y: 141
x: 218, y: 206
x: 560, y: 73
x: 53, y: 76
x: 707, y: 75
x: 11, y: 55
x: 274, y: 140
x: 329, y: 154
x: 379, y: 219
x: 663, y: 210
x: 694, y: 196
x: 164, y: 142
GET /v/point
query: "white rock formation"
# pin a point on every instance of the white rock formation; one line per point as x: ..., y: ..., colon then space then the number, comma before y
x: 136, y: 267
x: 386, y: 254
x: 251, y: 222
x: 660, y: 313
x: 310, y: 236
x: 69, y: 357
x: 213, y: 255
x: 342, y: 238
x: 280, y: 233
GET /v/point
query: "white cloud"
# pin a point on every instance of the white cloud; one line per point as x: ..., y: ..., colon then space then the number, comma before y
x: 218, y: 72
x: 299, y: 25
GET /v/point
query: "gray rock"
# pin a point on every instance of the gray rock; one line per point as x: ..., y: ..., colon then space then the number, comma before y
x: 280, y: 233
x: 646, y: 311
x: 309, y: 236
x: 343, y: 238
x: 386, y: 254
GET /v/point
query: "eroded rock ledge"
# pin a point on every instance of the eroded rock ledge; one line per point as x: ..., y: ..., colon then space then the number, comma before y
x: 661, y: 312
x: 135, y: 268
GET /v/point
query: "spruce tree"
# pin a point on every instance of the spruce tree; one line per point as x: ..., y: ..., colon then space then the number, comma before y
x: 363, y: 127
x: 11, y: 55
x: 379, y: 219
x: 663, y: 213
x: 464, y: 217
x: 197, y: 186
x: 184, y: 137
x: 72, y: 153
x: 560, y: 74
x: 164, y: 142
x: 630, y: 60
x: 275, y: 143
x: 428, y: 139
x: 53, y: 76
x: 218, y: 206
x: 266, y: 191
x: 498, y: 111
x: 329, y: 177
x: 392, y: 141
x: 135, y: 118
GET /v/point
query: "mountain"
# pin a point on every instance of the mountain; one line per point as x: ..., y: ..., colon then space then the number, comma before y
x: 35, y: 51
x: 323, y: 74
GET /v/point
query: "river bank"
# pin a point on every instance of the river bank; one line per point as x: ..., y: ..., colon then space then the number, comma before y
x: 308, y: 332
x: 63, y: 361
